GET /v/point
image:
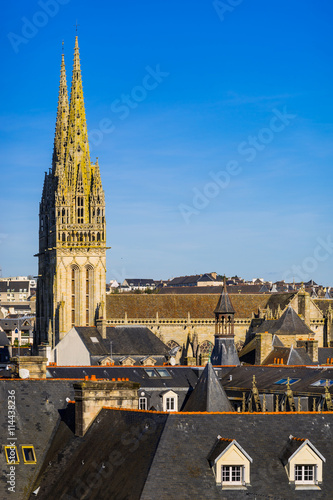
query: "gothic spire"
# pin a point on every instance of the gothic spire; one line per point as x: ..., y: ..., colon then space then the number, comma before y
x: 60, y: 138
x: 224, y: 305
x: 77, y: 154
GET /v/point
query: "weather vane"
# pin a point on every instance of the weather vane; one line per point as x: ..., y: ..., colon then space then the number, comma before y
x: 76, y: 25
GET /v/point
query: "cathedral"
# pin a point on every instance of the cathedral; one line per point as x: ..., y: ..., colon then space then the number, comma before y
x: 72, y: 228
x: 71, y: 288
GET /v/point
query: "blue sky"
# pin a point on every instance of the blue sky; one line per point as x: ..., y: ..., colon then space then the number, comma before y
x: 221, y: 162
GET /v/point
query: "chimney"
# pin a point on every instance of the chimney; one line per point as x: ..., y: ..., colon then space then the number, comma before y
x: 311, y: 347
x: 101, y: 327
x: 29, y: 366
x: 91, y: 395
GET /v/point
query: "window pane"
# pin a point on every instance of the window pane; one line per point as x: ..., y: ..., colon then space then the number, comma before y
x: 150, y: 372
x: 162, y: 372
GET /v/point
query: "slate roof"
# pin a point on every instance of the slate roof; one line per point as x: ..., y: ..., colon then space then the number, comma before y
x: 171, y: 305
x: 294, y: 444
x: 224, y: 352
x: 139, y: 282
x: 135, y: 340
x: 180, y: 376
x: 183, y: 281
x: 240, y: 378
x: 288, y: 324
x: 276, y: 342
x: 289, y: 356
x: 221, y: 445
x: 324, y: 354
x: 224, y: 305
x: 126, y: 340
x: 39, y: 404
x: 3, y: 339
x: 323, y: 304
x: 14, y: 286
x: 208, y: 394
x: 167, y: 458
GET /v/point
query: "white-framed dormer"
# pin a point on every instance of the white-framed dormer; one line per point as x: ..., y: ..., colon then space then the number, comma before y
x: 169, y: 400
x: 303, y: 464
x: 230, y: 464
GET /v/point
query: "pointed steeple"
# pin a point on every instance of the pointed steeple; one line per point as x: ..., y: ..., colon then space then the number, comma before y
x: 224, y: 305
x: 77, y: 153
x: 60, y: 139
x: 208, y: 394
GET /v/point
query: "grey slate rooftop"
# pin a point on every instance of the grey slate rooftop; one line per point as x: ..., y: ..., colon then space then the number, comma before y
x: 168, y: 456
x: 126, y: 340
x: 208, y: 394
x: 288, y: 324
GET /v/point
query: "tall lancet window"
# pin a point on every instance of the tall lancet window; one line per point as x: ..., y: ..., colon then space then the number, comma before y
x: 74, y: 295
x: 80, y: 209
x: 80, y: 200
x: 89, y: 293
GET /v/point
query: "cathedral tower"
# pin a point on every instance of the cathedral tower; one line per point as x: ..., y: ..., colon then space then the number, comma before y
x: 72, y: 239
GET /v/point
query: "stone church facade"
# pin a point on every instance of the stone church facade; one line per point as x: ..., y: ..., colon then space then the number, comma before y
x: 72, y: 229
x: 187, y: 320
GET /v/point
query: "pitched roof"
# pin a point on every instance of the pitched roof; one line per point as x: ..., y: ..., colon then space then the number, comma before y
x: 224, y: 305
x: 169, y: 458
x: 221, y: 445
x: 137, y: 340
x: 288, y: 324
x: 295, y: 444
x: 324, y: 354
x: 289, y: 356
x: 208, y: 394
x: 126, y: 340
x: 178, y: 306
x: 276, y: 342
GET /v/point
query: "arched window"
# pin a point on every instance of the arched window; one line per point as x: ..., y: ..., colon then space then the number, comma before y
x: 89, y: 294
x: 74, y: 295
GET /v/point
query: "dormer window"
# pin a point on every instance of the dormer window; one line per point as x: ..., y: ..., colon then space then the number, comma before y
x: 230, y: 464
x: 169, y: 401
x: 303, y: 464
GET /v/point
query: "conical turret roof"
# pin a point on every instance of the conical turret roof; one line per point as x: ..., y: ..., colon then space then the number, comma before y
x: 208, y: 394
x: 224, y: 305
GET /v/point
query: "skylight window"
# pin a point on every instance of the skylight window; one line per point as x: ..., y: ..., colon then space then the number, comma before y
x: 284, y: 381
x: 94, y: 339
x: 29, y: 455
x: 151, y: 372
x: 322, y: 382
x: 11, y: 455
x: 163, y: 372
